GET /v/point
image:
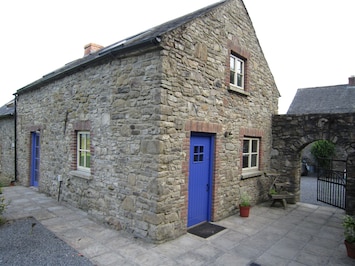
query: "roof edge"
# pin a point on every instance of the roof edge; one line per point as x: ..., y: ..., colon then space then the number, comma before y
x: 82, y: 63
x: 7, y: 116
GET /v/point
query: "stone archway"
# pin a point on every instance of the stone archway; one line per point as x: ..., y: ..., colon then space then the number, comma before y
x: 291, y: 133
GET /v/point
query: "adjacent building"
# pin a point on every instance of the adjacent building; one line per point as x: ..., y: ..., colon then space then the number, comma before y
x: 335, y: 99
x: 7, y: 143
x: 325, y: 100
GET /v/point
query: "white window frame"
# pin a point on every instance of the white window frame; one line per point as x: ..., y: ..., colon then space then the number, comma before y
x: 80, y: 150
x: 251, y: 153
x: 235, y: 73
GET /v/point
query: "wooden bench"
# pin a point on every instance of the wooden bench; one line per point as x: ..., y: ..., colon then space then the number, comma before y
x: 280, y: 194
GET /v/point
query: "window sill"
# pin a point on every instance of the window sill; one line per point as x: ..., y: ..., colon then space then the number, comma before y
x: 247, y: 175
x: 238, y: 90
x: 81, y: 174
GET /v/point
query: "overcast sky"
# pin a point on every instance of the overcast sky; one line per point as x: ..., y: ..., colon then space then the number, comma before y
x: 307, y: 43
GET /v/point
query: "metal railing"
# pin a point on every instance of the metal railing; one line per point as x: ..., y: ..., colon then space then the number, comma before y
x: 331, y: 182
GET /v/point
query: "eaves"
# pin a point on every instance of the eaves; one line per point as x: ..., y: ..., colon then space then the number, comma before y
x: 105, y: 54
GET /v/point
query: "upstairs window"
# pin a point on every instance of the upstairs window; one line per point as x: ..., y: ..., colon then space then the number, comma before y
x: 251, y: 153
x: 236, y: 66
x: 83, y: 150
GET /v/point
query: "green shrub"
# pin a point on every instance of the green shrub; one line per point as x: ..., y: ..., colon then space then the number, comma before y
x: 349, y: 228
x: 323, y: 150
x: 3, y: 206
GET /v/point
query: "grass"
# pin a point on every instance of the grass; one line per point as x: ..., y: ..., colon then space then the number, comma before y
x: 4, y: 181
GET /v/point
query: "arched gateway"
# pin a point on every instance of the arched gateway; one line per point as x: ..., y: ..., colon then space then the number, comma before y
x: 292, y: 133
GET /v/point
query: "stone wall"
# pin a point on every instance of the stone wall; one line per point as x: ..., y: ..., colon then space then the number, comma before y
x: 292, y: 133
x: 7, y: 148
x: 196, y: 97
x: 119, y: 103
x: 140, y: 110
x: 350, y: 185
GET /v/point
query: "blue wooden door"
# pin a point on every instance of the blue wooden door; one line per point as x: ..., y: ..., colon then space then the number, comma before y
x: 35, y: 155
x: 200, y: 179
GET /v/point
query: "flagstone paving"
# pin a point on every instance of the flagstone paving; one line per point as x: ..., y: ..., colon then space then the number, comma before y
x: 303, y: 234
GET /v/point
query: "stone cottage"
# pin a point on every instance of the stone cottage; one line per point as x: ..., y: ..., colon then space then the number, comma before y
x: 7, y: 142
x: 158, y: 132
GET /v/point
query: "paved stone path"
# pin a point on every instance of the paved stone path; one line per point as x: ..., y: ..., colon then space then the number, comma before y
x: 309, y: 190
x: 303, y: 234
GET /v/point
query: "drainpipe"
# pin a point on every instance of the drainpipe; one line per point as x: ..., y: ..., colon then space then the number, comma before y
x: 15, y: 130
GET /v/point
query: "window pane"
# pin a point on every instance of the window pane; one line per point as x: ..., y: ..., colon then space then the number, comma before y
x: 239, y: 67
x: 195, y: 149
x: 254, y: 146
x: 82, y: 141
x: 87, y: 142
x: 254, y: 158
x: 82, y: 158
x: 232, y: 78
x: 239, y: 80
x: 88, y: 160
x: 201, y: 149
x: 195, y: 158
x: 245, y: 146
x: 232, y: 63
x: 201, y: 158
x: 245, y: 161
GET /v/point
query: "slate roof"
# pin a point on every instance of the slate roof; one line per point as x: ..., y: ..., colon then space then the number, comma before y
x: 7, y: 110
x: 149, y: 37
x: 324, y: 100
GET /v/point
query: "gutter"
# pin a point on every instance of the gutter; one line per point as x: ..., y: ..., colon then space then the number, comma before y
x: 15, y: 130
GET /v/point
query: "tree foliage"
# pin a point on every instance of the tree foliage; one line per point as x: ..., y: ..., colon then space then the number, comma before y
x: 323, y: 150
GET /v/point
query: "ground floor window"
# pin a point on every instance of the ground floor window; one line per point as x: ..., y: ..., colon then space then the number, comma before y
x: 251, y: 153
x: 83, y: 150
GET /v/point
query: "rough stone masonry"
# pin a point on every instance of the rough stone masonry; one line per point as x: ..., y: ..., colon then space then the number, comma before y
x: 140, y: 108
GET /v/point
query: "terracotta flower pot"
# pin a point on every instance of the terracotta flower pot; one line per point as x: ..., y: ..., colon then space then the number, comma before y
x: 350, y: 249
x: 244, y: 211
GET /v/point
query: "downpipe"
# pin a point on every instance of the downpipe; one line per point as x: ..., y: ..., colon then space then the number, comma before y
x: 60, y: 181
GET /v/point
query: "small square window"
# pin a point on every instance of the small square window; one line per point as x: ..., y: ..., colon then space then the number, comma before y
x: 198, y: 153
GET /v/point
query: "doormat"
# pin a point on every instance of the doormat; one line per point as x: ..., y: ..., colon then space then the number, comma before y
x: 206, y: 230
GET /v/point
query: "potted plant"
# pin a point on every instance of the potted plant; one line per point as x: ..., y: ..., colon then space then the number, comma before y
x: 349, y: 233
x: 244, y: 205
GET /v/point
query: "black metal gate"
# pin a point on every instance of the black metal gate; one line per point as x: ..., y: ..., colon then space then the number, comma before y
x: 331, y: 182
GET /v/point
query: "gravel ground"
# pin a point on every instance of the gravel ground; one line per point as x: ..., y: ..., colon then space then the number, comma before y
x: 27, y: 242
